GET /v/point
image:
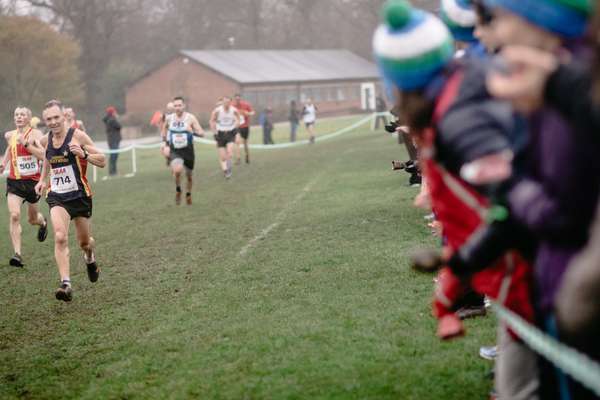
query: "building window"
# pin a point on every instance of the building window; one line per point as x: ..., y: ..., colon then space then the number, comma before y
x: 340, y: 94
x: 332, y: 95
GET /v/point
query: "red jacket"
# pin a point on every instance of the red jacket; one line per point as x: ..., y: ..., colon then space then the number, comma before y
x: 462, y: 211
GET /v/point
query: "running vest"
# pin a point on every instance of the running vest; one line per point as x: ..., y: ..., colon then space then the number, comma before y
x: 180, y: 133
x: 225, y: 119
x: 23, y: 164
x: 310, y: 113
x: 68, y: 179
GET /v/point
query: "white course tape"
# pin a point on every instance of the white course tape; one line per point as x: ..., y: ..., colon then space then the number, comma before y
x: 579, y: 366
x: 256, y: 146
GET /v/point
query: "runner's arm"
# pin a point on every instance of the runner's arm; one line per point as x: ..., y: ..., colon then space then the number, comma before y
x: 34, y: 146
x: 40, y: 187
x: 197, y: 128
x: 236, y: 114
x: 6, y: 156
x: 4, y: 160
x: 94, y: 156
x: 213, y: 121
x: 163, y: 130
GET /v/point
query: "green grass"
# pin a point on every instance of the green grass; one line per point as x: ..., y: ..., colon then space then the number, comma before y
x: 325, y: 306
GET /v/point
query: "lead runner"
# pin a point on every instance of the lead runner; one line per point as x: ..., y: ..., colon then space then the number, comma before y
x: 68, y: 151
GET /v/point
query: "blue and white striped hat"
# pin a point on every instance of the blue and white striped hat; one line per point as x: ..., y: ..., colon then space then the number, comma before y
x: 411, y: 46
x: 460, y: 18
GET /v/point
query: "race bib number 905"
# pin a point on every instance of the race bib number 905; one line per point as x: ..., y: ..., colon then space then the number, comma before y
x: 28, y: 165
x: 63, y: 180
x: 179, y: 140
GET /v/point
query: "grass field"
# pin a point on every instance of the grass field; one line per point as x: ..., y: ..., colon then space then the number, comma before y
x: 290, y: 281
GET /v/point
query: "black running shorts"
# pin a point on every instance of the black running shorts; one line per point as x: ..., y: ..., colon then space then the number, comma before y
x: 244, y: 132
x: 188, y: 158
x: 225, y: 137
x: 23, y: 188
x: 78, y: 208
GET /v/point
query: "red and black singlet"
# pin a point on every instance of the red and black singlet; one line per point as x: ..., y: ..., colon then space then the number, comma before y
x: 23, y: 164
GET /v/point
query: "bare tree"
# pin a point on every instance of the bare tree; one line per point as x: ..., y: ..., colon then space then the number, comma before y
x: 92, y: 23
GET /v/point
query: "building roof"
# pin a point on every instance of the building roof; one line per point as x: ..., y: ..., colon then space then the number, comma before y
x: 277, y: 66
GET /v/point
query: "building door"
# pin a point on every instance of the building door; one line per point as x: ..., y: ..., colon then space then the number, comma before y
x: 367, y: 96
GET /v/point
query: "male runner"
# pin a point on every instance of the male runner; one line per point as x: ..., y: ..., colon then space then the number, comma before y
x: 246, y: 111
x: 224, y: 120
x: 71, y: 119
x: 68, y: 152
x: 179, y: 131
x: 23, y: 155
x: 309, y: 115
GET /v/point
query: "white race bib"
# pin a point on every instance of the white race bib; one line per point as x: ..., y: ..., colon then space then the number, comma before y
x: 179, y: 140
x: 63, y: 180
x: 27, y: 165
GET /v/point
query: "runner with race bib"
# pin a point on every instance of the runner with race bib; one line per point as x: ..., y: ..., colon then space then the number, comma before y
x: 68, y: 152
x: 180, y: 129
x: 225, y: 120
x: 246, y: 112
x: 309, y: 115
x: 22, y: 157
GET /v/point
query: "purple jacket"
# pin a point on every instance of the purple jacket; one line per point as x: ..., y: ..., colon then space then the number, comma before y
x: 556, y: 200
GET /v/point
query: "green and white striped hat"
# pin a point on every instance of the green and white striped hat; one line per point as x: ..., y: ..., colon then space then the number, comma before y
x: 411, y: 46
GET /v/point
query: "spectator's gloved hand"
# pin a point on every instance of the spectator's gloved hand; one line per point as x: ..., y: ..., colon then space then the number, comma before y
x: 391, y: 127
x: 426, y: 260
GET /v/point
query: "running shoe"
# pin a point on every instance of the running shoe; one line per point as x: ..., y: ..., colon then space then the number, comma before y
x: 188, y: 199
x: 43, y: 231
x: 177, y: 198
x: 92, y: 268
x: 64, y: 292
x: 16, y: 261
x: 228, y: 173
x: 488, y: 352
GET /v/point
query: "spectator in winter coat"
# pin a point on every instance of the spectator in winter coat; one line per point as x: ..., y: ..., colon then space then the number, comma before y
x: 113, y: 136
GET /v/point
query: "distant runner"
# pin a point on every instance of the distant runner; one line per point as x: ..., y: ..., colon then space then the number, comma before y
x: 71, y: 119
x: 180, y: 128
x: 246, y: 112
x: 309, y: 115
x: 224, y: 120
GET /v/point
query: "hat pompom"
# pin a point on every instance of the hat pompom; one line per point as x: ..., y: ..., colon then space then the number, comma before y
x: 396, y: 13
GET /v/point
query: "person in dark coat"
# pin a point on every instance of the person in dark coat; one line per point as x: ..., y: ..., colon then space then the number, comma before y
x: 113, y: 136
x: 380, y: 107
x: 266, y: 121
x: 294, y: 119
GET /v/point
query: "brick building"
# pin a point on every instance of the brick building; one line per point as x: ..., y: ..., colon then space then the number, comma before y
x: 338, y: 81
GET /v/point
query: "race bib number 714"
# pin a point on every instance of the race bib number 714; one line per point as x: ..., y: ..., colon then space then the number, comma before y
x: 63, y: 180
